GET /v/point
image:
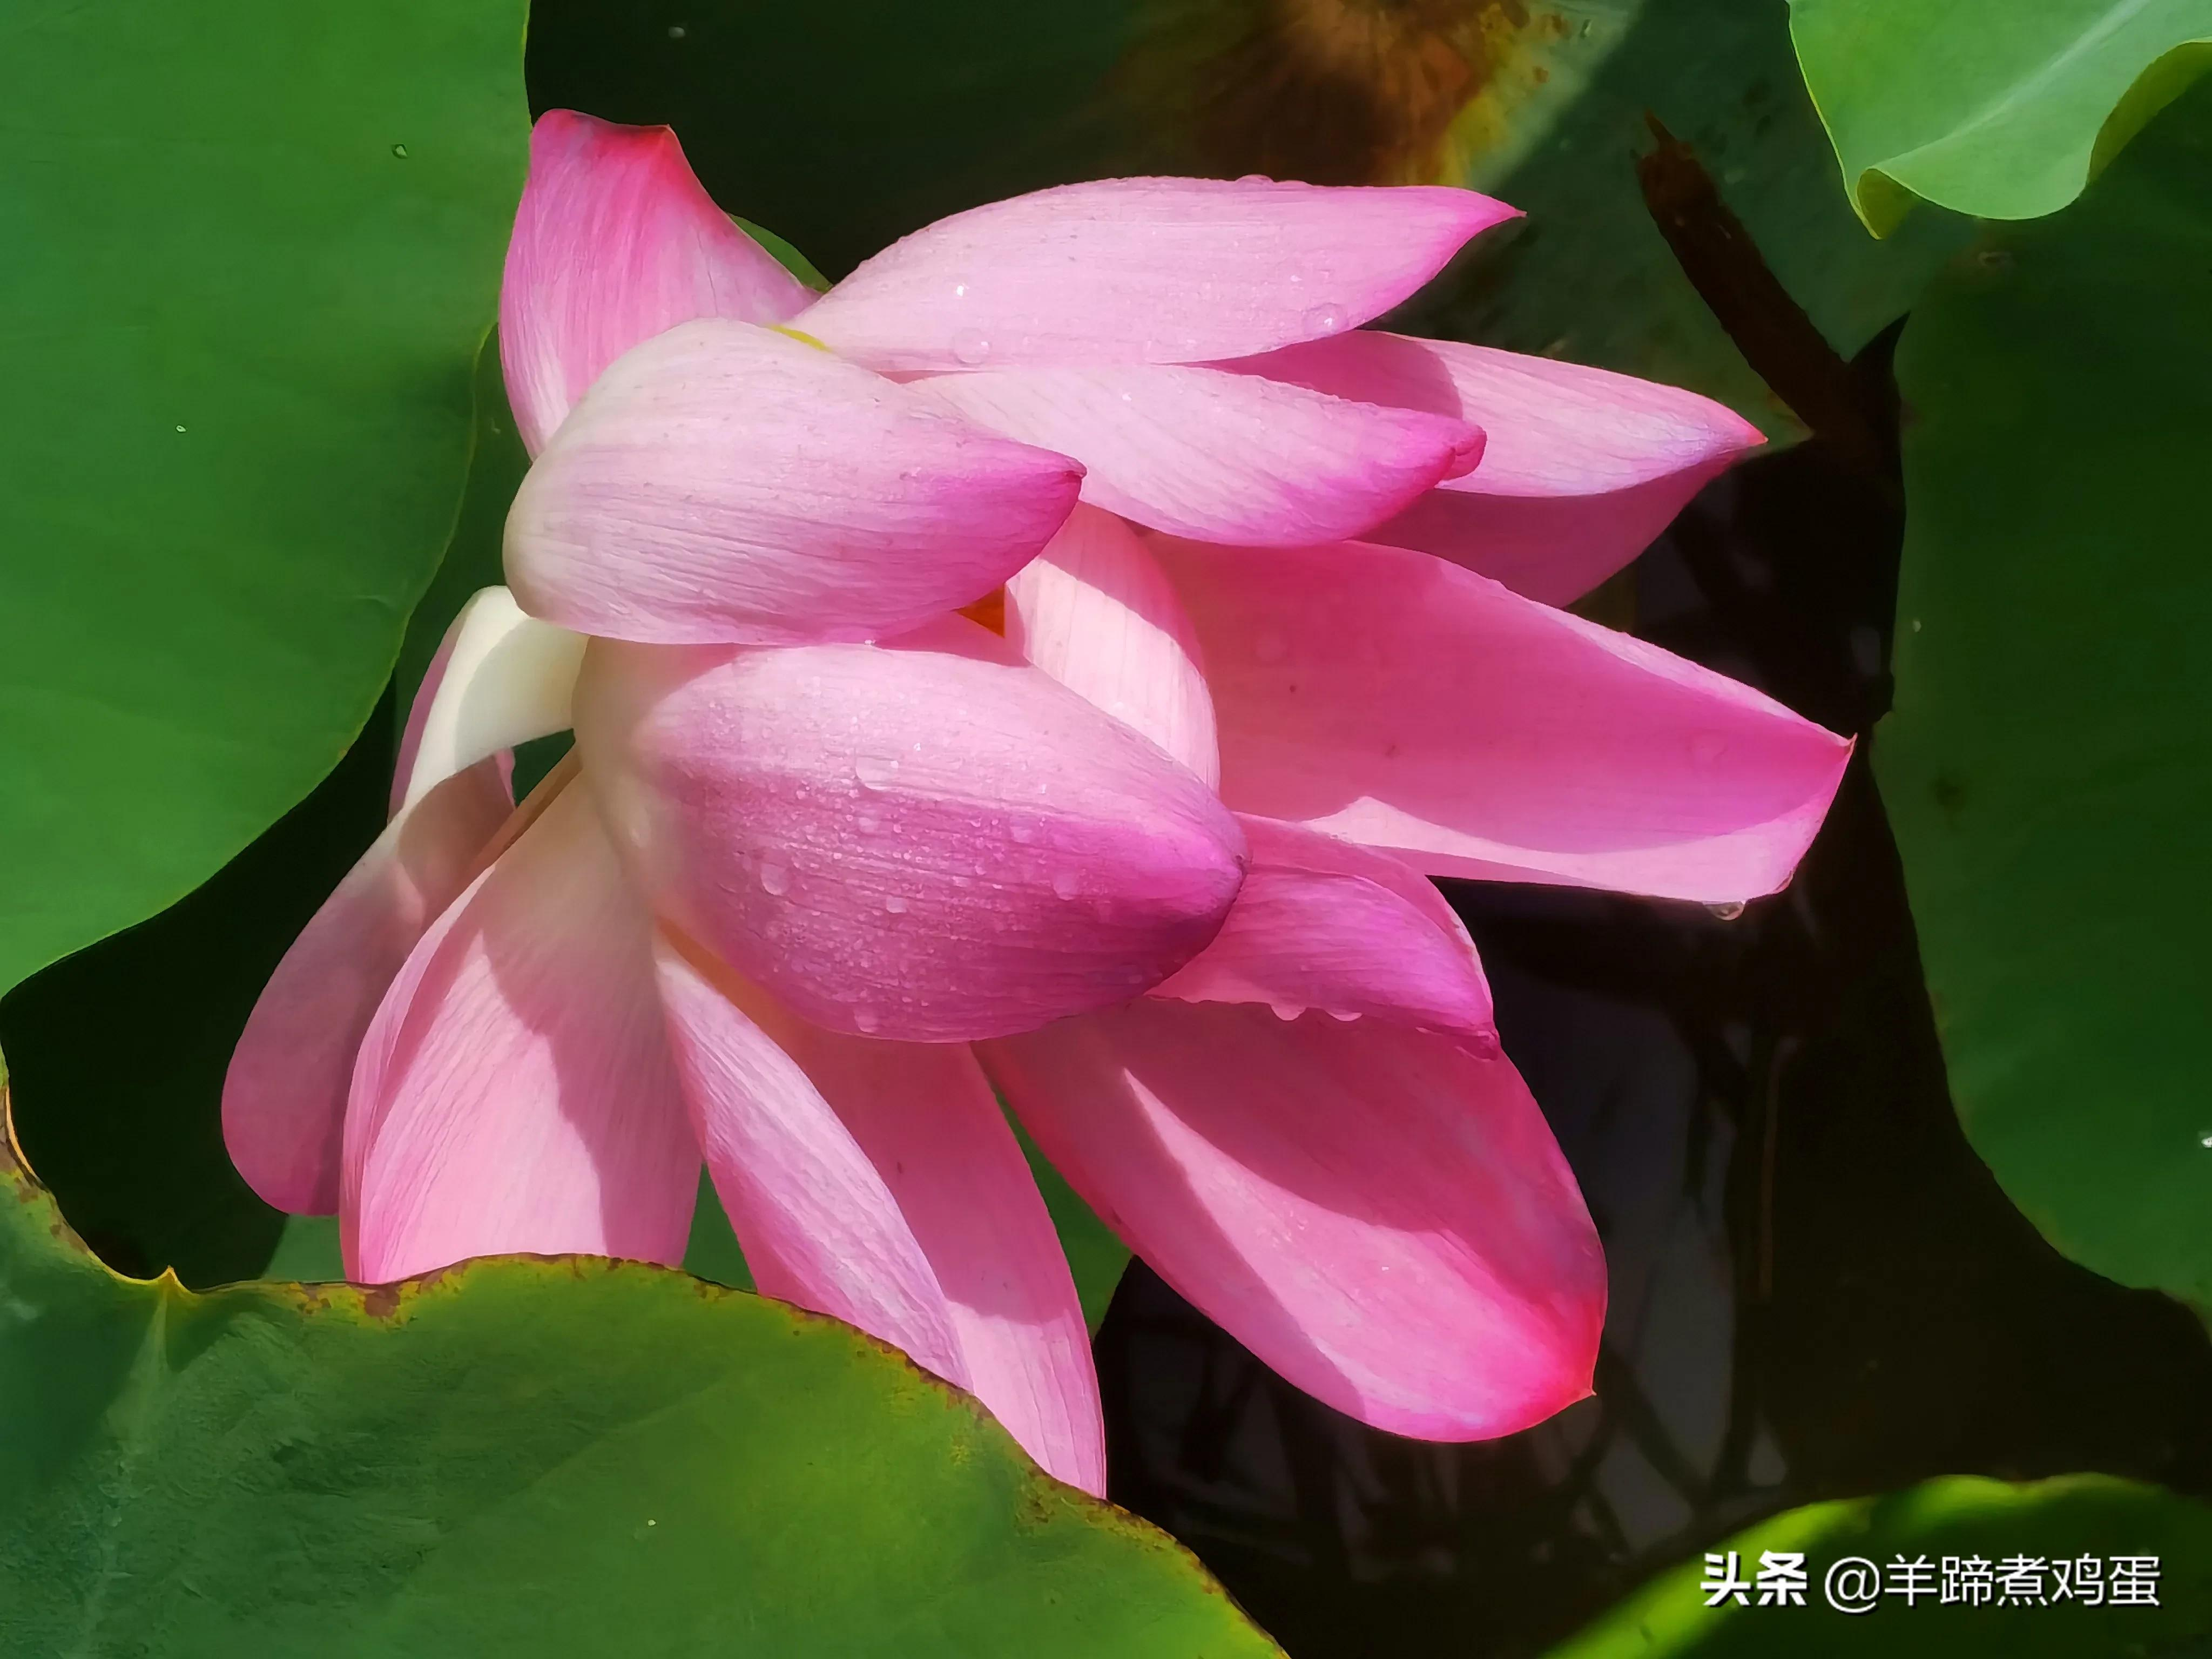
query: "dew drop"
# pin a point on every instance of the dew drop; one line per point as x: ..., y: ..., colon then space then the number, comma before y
x: 866, y: 823
x: 1021, y: 831
x: 1254, y: 179
x: 895, y: 904
x: 865, y: 1020
x: 1325, y: 318
x: 2205, y: 1139
x: 1286, y: 1011
x: 675, y: 31
x: 1065, y: 884
x: 1728, y: 912
x: 875, y: 771
x: 180, y: 428
x: 775, y: 878
x: 400, y: 150
x: 971, y: 347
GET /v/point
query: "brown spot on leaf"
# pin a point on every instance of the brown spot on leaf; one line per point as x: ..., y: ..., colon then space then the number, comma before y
x: 1333, y: 92
x: 381, y: 1301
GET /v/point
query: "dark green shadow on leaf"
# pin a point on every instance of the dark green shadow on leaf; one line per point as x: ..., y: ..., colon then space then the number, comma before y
x: 2048, y: 767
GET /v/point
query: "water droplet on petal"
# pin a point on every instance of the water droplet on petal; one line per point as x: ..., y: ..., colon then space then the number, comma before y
x: 775, y: 878
x: 875, y: 771
x: 970, y: 347
x: 1065, y: 884
x: 865, y: 1020
x: 1325, y: 318
x: 1728, y: 912
x: 1021, y: 831
x: 1286, y: 1011
x: 1255, y: 179
x: 895, y: 904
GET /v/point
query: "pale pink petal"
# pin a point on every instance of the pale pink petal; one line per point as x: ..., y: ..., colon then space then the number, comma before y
x: 818, y: 1225
x: 499, y: 678
x: 1095, y: 612
x: 723, y: 482
x: 1224, y: 458
x: 515, y: 1092
x: 1143, y: 270
x: 615, y: 242
x: 1379, y: 1214
x: 906, y: 843
x: 1583, y: 467
x: 1387, y: 697
x: 1321, y: 923
x: 879, y: 1183
x: 284, y: 1096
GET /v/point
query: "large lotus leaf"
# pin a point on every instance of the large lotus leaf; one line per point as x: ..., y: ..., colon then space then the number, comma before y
x: 912, y: 112
x: 2000, y: 109
x: 1965, y: 1518
x: 528, y: 1457
x: 2049, y: 764
x: 250, y: 250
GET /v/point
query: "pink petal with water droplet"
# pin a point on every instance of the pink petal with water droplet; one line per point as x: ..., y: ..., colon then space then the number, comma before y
x: 1380, y: 1213
x: 614, y: 242
x: 515, y: 1092
x: 910, y: 842
x: 1321, y: 923
x: 1388, y: 698
x: 723, y: 482
x: 1155, y: 271
x: 1094, y: 611
x: 1582, y: 469
x: 1224, y: 458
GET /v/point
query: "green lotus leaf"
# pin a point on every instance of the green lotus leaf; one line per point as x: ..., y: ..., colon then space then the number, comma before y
x: 2048, y: 767
x: 527, y: 1457
x: 2000, y: 109
x: 251, y: 250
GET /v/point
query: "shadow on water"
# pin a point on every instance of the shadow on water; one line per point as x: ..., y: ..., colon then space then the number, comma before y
x: 1818, y: 1290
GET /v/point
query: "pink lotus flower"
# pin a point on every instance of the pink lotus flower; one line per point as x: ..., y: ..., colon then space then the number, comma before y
x: 828, y: 862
